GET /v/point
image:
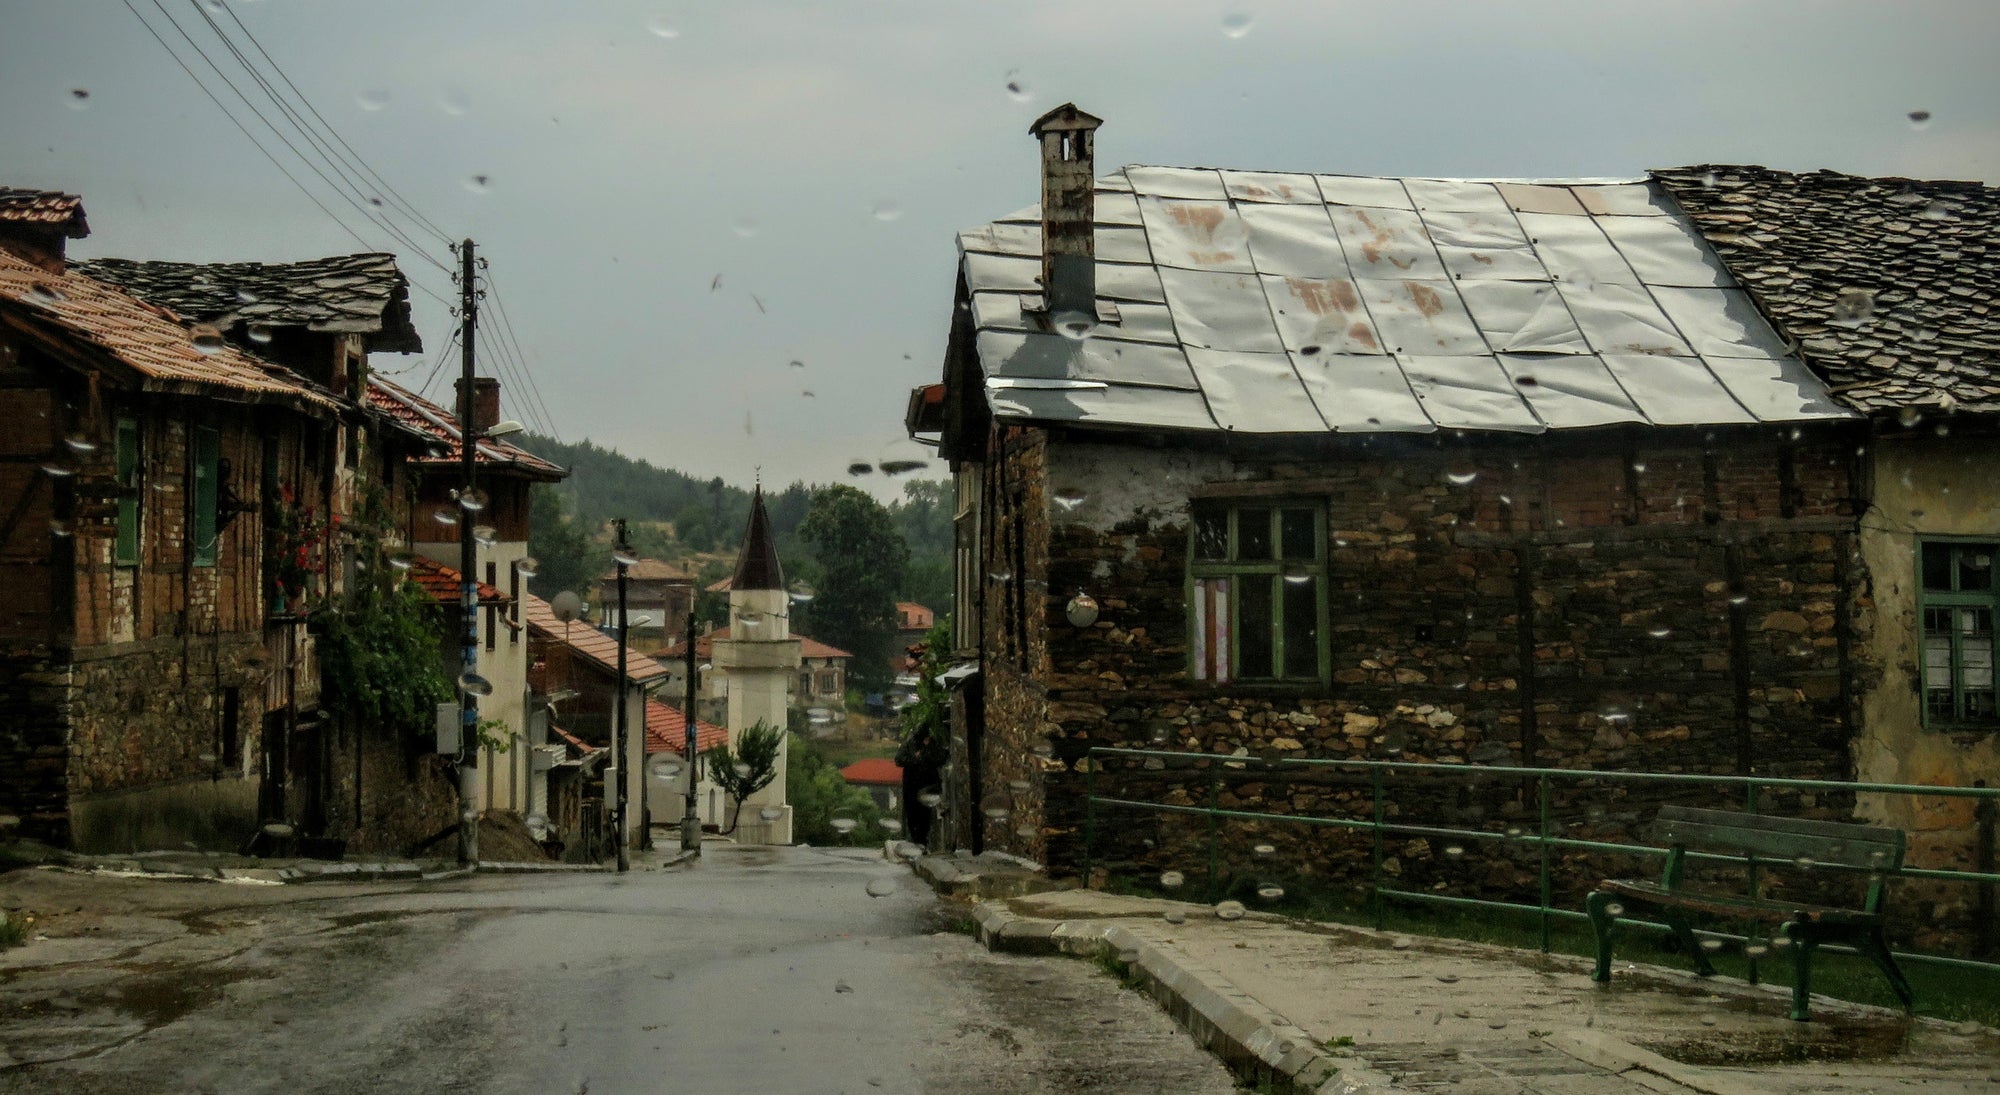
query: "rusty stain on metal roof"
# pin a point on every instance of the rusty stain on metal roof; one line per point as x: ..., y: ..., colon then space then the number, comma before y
x: 1296, y: 303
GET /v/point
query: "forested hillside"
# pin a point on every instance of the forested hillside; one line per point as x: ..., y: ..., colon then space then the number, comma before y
x: 699, y: 522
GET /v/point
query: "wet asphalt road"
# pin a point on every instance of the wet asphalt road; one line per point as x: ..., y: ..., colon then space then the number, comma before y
x: 754, y: 970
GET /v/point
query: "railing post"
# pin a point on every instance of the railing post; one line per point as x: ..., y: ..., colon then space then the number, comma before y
x: 1983, y: 926
x: 1749, y: 931
x: 1542, y: 790
x: 1214, y: 834
x: 1375, y: 898
x: 1090, y: 762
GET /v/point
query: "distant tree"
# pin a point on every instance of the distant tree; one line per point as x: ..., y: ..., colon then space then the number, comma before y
x: 747, y: 769
x: 862, y: 557
x: 568, y: 559
x: 817, y: 795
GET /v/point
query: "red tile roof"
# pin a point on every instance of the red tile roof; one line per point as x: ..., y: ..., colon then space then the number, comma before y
x: 704, y: 647
x: 19, y: 206
x: 62, y: 309
x: 580, y: 745
x: 666, y: 731
x: 411, y: 409
x: 874, y: 771
x: 443, y: 583
x: 594, y: 645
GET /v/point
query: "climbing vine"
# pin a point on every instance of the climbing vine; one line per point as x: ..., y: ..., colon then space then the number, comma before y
x: 380, y: 659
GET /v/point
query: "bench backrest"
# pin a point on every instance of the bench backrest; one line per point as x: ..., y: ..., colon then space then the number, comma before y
x: 1815, y: 842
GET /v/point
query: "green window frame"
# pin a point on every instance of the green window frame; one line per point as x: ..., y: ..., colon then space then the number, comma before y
x: 202, y: 528
x: 1957, y: 601
x: 1257, y: 597
x: 125, y: 551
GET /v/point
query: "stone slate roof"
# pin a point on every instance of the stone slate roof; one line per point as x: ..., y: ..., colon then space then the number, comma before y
x: 1889, y: 286
x: 167, y: 353
x: 52, y: 207
x: 362, y: 293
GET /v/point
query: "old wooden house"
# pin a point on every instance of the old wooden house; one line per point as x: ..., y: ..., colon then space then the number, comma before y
x: 1606, y: 474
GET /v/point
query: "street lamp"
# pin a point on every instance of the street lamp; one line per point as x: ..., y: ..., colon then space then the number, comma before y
x: 690, y: 822
x: 621, y: 554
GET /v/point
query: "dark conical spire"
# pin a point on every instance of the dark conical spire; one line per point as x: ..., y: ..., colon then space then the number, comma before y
x: 757, y: 565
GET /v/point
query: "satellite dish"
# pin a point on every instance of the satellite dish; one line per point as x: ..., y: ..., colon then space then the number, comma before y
x: 567, y: 606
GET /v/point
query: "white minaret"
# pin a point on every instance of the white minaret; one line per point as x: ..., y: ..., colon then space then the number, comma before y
x: 760, y: 659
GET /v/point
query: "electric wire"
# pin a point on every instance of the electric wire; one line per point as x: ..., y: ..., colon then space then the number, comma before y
x: 444, y: 353
x: 506, y: 326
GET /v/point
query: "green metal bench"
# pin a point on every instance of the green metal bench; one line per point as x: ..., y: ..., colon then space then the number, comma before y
x: 1762, y: 842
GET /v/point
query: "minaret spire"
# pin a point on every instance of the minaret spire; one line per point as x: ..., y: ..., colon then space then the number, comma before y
x: 757, y: 565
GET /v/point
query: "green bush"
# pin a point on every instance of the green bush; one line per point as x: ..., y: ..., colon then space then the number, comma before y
x: 817, y: 793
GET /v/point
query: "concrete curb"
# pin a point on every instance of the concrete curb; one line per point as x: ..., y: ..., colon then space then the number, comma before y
x: 491, y: 867
x: 1257, y: 1044
x: 980, y: 877
x: 1622, y: 1057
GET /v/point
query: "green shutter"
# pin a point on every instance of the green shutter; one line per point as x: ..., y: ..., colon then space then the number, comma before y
x: 126, y: 553
x: 207, y: 453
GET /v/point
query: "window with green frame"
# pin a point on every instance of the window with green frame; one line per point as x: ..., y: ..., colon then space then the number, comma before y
x: 202, y: 528
x: 126, y: 551
x: 1257, y: 608
x: 1958, y: 599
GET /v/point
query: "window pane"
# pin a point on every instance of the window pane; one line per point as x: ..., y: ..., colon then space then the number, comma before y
x: 1253, y: 534
x: 207, y: 452
x: 1297, y: 534
x: 1301, y: 627
x: 1253, y: 627
x: 1211, y: 533
x: 126, y: 550
x: 1937, y: 567
x: 1975, y: 567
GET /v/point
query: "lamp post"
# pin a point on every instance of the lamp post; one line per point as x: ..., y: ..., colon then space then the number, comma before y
x: 621, y: 554
x: 690, y: 822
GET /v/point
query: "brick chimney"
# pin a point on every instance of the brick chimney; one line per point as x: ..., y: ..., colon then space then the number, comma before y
x: 1069, y: 251
x: 485, y: 401
x: 35, y: 224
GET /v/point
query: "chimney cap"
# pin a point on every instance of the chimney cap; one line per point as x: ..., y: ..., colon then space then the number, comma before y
x: 1063, y: 118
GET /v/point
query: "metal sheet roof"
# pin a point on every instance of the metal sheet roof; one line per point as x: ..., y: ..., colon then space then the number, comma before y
x: 1282, y: 303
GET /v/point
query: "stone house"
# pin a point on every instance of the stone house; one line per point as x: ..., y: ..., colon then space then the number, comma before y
x: 173, y: 500
x: 1555, y: 473
x: 659, y: 597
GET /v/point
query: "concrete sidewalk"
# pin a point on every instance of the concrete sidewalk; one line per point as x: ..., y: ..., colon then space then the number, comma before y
x: 1327, y: 1008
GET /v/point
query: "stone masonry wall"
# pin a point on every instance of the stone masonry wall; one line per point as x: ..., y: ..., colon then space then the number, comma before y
x: 1681, y: 609
x: 34, y: 749
x: 407, y: 793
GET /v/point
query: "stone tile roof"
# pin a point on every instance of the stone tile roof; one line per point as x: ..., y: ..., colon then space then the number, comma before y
x: 166, y: 352
x: 426, y: 417
x: 666, y: 731
x: 1889, y: 285
x: 593, y: 645
x: 363, y: 293
x: 53, y: 207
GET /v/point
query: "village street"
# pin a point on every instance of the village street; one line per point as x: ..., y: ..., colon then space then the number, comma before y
x: 752, y: 970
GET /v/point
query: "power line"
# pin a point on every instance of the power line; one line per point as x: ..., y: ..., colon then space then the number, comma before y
x: 444, y: 352
x: 507, y: 328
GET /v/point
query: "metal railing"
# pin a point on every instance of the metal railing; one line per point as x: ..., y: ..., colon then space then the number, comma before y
x: 1374, y: 776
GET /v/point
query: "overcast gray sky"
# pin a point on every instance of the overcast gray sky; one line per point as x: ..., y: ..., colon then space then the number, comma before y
x: 821, y: 155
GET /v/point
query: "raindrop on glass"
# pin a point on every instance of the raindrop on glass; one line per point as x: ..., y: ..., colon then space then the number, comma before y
x: 1919, y: 118
x: 667, y: 772
x: 454, y: 103
x: 1298, y: 575
x: 1270, y: 891
x: 57, y: 471
x: 444, y: 516
x: 258, y: 332
x: 741, y: 769
x: 859, y: 467
x: 881, y: 887
x: 1461, y: 477
x: 484, y: 535
x: 1069, y: 497
x: 1454, y: 850
x: 885, y: 210
x: 1756, y: 950
x: 745, y: 227
x: 842, y: 986
x: 1264, y: 849
x: 1075, y: 326
x: 58, y: 527
x: 42, y: 292
x: 900, y: 467
x: 206, y: 340
x: 624, y: 558
x: 843, y: 823
x: 1044, y: 750
x: 78, y: 443
x: 1614, y: 909
x: 889, y: 825
x: 996, y: 807
x: 472, y: 500
x: 1017, y: 88
x: 1174, y: 916
x: 1236, y: 24
x: 1853, y: 308
x: 1711, y: 945
x: 472, y: 684
x: 478, y: 184
x: 79, y: 98
x: 771, y: 813
x: 1804, y: 863
x: 277, y: 829
x: 1660, y: 632
x: 930, y: 797
x: 1229, y: 910
x: 662, y: 27
x: 528, y: 566
x: 372, y: 99
x: 1172, y: 879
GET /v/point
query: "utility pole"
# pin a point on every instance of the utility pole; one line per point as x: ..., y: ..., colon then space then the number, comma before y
x: 621, y: 554
x: 690, y: 823
x: 468, y: 700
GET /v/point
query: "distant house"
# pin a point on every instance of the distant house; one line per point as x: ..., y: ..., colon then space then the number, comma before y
x: 881, y: 777
x: 1687, y: 472
x: 175, y: 490
x: 659, y: 597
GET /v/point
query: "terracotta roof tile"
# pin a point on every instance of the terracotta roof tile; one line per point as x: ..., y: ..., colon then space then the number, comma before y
x: 666, y: 731
x: 443, y: 582
x: 875, y: 771
x: 413, y: 410
x: 586, y: 640
x: 18, y: 206
x: 153, y: 342
x: 1889, y: 285
x: 363, y: 293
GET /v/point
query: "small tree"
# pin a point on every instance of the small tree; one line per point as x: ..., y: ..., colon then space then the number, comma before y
x: 749, y: 768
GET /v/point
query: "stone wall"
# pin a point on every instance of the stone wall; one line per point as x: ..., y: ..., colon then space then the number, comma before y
x: 407, y: 793
x: 34, y: 741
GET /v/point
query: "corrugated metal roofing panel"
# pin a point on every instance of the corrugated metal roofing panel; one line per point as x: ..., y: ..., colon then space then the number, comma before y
x: 1014, y: 273
x: 1121, y: 243
x: 1537, y: 198
x: 1143, y: 323
x: 1622, y: 319
x: 1386, y: 243
x: 1294, y: 239
x: 1110, y: 209
x: 1042, y: 356
x: 1255, y: 393
x: 1324, y: 314
x: 1177, y: 182
x: 1415, y: 316
x: 1270, y: 186
x: 1523, y: 317
x: 1663, y: 251
x: 1575, y: 251
x: 1483, y: 246
x: 1570, y: 390
x: 1455, y: 196
x: 1362, y: 394
x: 1123, y: 281
x: 1112, y: 406
x: 1636, y: 199
x: 1364, y: 190
x: 1775, y: 390
x: 1676, y: 391
x: 1472, y: 393
x: 1720, y: 322
x: 1220, y: 311
x: 1197, y: 235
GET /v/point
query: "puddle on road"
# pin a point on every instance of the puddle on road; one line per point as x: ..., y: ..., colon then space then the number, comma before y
x: 1826, y: 1038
